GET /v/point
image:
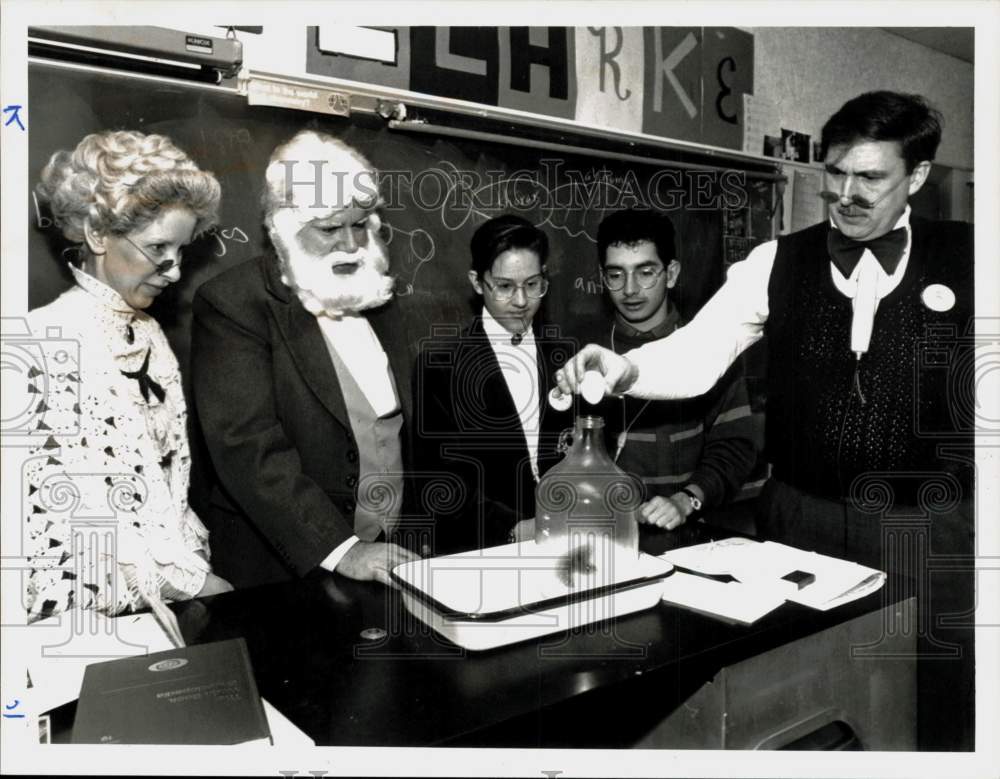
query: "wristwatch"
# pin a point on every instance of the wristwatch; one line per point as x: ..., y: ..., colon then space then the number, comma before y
x: 695, y: 500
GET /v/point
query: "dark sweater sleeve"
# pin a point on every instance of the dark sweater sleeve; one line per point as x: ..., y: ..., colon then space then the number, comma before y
x: 732, y: 440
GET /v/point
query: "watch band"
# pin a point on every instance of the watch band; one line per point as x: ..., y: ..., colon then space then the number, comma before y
x: 695, y: 500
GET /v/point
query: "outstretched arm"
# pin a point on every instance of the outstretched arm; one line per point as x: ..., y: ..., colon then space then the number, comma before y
x: 691, y: 360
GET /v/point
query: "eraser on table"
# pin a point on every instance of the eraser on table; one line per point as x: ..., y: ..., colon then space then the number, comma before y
x: 800, y: 578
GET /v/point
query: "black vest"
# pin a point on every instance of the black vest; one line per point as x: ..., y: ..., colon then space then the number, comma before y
x: 917, y: 380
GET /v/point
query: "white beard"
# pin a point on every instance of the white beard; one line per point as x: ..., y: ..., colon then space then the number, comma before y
x: 323, y: 292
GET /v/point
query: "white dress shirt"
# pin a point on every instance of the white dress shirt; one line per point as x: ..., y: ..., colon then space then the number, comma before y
x: 519, y: 366
x: 689, y: 362
x: 352, y: 337
x: 357, y: 345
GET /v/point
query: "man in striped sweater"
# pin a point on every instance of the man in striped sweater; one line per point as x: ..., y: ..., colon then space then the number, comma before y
x: 691, y: 454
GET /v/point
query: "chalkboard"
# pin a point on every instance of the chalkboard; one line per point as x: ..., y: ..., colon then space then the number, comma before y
x: 437, y: 192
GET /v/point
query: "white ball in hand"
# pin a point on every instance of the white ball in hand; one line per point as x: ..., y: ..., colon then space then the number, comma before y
x: 593, y: 387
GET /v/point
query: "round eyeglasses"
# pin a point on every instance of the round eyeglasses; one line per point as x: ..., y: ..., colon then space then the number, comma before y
x: 163, y: 267
x: 504, y: 289
x: 646, y: 277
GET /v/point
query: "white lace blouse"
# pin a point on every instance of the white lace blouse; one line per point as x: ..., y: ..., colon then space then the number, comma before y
x: 107, y: 523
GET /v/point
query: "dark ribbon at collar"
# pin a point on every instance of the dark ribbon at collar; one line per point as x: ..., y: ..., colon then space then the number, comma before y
x: 846, y: 253
x: 146, y: 384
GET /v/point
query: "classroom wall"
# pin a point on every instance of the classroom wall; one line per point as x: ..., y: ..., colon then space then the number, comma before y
x: 811, y: 71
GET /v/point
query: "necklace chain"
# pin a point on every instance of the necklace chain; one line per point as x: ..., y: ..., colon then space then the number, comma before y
x: 626, y: 425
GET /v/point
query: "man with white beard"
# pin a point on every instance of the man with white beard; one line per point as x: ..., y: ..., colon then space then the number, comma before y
x: 301, y: 380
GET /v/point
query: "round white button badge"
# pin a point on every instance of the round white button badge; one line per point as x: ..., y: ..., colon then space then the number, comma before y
x: 938, y: 297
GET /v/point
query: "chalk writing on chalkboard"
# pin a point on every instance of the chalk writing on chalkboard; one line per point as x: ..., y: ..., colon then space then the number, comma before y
x: 590, y: 286
x: 437, y: 191
x: 222, y: 234
x: 571, y: 201
x: 420, y: 250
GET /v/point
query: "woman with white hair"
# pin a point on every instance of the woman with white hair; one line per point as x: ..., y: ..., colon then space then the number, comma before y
x: 116, y: 461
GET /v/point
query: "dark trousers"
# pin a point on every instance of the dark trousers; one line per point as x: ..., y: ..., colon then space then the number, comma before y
x: 931, y: 544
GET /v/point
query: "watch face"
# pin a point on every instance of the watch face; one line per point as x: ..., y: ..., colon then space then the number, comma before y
x: 695, y: 502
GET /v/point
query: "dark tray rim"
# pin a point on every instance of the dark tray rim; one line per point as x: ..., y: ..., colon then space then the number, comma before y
x: 531, y: 608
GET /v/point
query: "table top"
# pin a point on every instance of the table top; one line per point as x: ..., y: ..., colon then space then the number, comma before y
x: 414, y: 688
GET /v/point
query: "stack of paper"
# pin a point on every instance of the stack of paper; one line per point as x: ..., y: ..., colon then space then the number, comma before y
x: 741, y: 579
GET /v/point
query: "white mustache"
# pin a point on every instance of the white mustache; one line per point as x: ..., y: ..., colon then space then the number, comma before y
x: 321, y: 290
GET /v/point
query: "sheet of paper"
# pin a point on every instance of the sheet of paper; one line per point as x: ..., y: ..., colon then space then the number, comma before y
x: 733, y: 601
x: 716, y: 557
x: 284, y: 733
x: 835, y: 578
x: 762, y: 564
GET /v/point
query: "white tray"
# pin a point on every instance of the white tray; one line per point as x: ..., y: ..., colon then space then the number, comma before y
x: 488, y: 598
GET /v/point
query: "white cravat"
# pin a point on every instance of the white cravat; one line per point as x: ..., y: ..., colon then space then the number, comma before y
x: 519, y: 366
x: 351, y: 335
x: 728, y: 323
x: 867, y: 285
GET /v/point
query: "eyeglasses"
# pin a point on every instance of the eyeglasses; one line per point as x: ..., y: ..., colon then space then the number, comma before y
x: 163, y: 267
x: 504, y: 289
x: 616, y: 278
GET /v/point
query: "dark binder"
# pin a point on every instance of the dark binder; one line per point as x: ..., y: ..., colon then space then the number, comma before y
x: 202, y: 694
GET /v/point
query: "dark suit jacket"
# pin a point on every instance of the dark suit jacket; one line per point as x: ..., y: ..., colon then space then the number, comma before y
x: 469, y: 428
x: 274, y: 421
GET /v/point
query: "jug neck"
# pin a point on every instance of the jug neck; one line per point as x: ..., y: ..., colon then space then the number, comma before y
x: 589, y: 434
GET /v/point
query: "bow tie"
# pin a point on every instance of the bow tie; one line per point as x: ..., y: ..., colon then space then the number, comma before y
x: 845, y: 252
x: 146, y: 383
x: 516, y: 339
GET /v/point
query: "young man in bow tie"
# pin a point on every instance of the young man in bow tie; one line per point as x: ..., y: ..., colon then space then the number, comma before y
x: 869, y: 388
x: 480, y: 395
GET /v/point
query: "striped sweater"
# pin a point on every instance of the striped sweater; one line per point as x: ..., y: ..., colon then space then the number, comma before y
x: 711, y: 440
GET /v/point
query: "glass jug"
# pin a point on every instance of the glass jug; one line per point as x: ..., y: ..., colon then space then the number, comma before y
x: 587, y: 508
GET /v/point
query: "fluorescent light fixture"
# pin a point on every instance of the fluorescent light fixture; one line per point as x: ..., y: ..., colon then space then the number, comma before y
x: 368, y: 43
x: 157, y: 45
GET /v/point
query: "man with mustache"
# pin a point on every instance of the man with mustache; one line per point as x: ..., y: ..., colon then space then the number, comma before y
x: 870, y: 383
x: 301, y: 380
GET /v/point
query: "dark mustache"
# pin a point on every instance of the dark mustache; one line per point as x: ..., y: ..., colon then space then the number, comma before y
x: 856, y: 200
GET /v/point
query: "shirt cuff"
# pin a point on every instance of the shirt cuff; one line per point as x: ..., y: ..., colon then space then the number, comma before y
x: 333, y: 559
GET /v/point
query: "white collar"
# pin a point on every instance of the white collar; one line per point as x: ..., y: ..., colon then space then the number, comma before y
x: 101, y: 291
x: 498, y: 334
